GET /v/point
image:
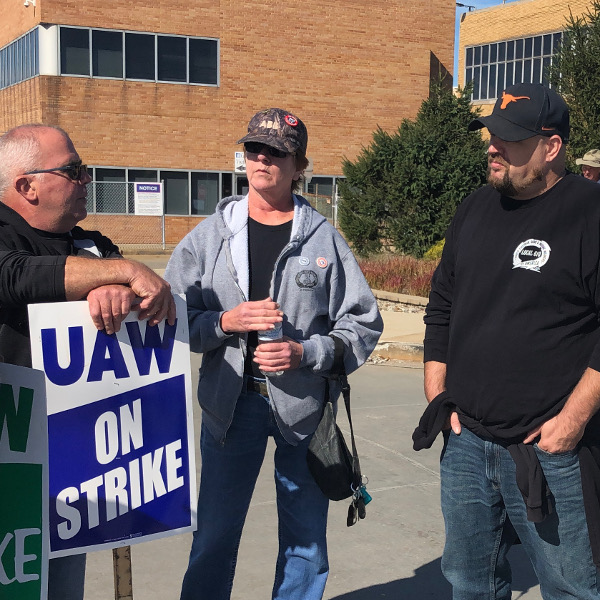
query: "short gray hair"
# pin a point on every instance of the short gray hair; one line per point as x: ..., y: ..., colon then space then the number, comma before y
x: 20, y: 152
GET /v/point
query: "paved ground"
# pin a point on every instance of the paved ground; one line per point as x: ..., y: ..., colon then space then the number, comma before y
x: 393, y: 554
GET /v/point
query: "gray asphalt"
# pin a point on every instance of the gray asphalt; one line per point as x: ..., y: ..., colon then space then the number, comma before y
x: 393, y: 554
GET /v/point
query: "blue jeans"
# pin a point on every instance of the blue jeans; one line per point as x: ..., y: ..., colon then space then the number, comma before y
x: 484, y: 513
x: 229, y: 473
x: 66, y: 577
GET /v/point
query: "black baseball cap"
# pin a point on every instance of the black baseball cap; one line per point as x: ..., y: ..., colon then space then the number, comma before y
x: 277, y: 128
x: 524, y: 110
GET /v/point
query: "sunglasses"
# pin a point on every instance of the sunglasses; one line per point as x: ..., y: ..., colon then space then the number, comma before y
x: 74, y: 171
x: 257, y: 147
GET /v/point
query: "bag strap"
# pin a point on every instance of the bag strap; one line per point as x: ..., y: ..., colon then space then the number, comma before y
x: 338, y: 371
x: 356, y: 473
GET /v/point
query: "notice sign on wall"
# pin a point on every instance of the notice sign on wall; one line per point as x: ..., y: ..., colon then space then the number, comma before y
x: 148, y: 198
x: 24, y: 484
x: 121, y: 451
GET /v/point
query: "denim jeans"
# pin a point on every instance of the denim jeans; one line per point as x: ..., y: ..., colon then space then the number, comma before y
x: 484, y: 514
x: 66, y: 577
x: 229, y: 473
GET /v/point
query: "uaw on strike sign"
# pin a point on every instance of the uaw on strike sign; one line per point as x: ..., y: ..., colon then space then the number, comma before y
x: 120, y: 431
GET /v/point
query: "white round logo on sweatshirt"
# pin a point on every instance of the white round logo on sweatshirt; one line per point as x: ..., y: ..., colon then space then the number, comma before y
x: 531, y: 255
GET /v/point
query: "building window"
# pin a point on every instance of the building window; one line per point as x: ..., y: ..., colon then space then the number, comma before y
x: 110, y: 193
x: 493, y: 67
x: 74, y: 51
x: 205, y: 193
x: 107, y: 53
x: 144, y: 56
x: 139, y: 56
x: 172, y: 62
x: 177, y: 195
x: 204, y: 61
x: 19, y: 60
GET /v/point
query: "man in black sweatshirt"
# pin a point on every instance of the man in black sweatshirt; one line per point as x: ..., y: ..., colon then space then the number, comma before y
x: 512, y: 358
x: 45, y: 257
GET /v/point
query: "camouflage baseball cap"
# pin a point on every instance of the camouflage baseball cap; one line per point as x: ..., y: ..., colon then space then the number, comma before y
x: 277, y: 128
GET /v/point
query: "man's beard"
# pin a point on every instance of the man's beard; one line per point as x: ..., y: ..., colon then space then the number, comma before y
x: 506, y: 186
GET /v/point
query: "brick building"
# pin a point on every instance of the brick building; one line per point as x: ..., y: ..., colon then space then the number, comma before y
x: 160, y: 91
x: 511, y: 43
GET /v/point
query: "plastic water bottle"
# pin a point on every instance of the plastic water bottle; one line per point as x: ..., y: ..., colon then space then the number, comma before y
x: 268, y: 336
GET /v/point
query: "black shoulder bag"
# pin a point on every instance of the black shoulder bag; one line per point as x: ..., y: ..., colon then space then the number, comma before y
x: 335, y: 469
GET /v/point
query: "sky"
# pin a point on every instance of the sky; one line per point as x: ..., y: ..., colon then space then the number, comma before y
x: 476, y: 4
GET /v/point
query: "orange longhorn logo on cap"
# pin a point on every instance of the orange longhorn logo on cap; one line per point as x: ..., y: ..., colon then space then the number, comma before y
x: 508, y: 98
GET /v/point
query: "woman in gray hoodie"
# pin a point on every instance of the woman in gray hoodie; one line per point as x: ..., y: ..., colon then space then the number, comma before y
x: 264, y: 261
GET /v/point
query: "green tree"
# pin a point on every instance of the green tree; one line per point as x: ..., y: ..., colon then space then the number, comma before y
x: 402, y: 191
x: 575, y: 73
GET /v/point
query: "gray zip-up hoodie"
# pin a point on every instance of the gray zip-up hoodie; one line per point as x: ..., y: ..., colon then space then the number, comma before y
x: 320, y: 289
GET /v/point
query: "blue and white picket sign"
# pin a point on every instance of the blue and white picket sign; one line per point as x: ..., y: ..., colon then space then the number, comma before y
x: 121, y: 439
x: 24, y: 484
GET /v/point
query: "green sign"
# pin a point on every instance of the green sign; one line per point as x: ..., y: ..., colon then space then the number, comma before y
x: 23, y: 481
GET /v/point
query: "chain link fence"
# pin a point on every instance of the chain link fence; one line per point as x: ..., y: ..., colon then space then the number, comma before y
x: 111, y: 210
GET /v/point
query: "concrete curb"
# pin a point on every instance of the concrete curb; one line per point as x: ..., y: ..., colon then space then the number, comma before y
x: 395, y: 350
x: 400, y: 298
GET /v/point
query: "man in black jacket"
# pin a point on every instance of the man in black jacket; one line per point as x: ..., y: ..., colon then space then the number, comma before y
x: 512, y: 355
x: 45, y: 257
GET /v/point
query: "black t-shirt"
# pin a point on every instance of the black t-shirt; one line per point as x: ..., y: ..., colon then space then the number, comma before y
x: 515, y: 303
x: 265, y: 243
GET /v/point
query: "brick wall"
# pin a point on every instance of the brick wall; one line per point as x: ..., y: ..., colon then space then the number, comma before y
x: 141, y: 230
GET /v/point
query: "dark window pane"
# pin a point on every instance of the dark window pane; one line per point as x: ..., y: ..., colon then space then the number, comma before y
x: 469, y: 57
x: 528, y: 48
x: 74, y: 51
x: 501, y: 85
x: 527, y: 71
x: 519, y: 71
x: 476, y: 83
x: 176, y: 192
x: 171, y: 58
x: 510, y: 50
x: 477, y: 56
x: 139, y: 56
x: 468, y: 76
x: 537, y: 45
x: 205, y: 193
x: 111, y: 191
x: 509, y: 74
x: 546, y: 70
x: 557, y: 40
x: 484, y: 86
x: 536, y: 75
x: 107, y: 53
x: 204, y: 61
x: 492, y: 82
x: 501, y: 51
x: 226, y: 185
x: 518, y: 48
x: 547, y: 45
x: 493, y: 53
x: 321, y: 186
x: 485, y: 55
